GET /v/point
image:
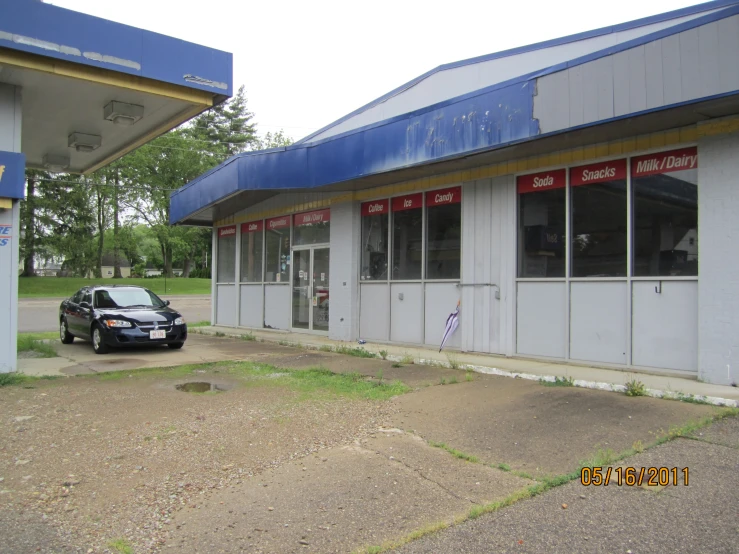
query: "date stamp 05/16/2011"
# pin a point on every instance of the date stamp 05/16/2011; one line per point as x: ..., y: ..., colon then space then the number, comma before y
x: 632, y: 476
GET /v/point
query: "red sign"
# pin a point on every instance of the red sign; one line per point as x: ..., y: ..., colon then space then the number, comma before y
x: 665, y: 162
x: 445, y: 196
x: 378, y: 207
x: 278, y: 222
x: 229, y: 231
x: 307, y: 218
x: 252, y: 227
x: 598, y: 173
x: 547, y: 180
x: 410, y: 202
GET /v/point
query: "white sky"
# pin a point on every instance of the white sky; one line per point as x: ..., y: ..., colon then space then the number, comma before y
x: 307, y: 63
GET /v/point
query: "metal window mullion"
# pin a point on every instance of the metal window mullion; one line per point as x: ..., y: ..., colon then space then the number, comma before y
x: 264, y: 270
x: 424, y: 242
x: 568, y: 262
x: 629, y: 263
x: 389, y: 269
x: 239, y: 239
x: 214, y: 278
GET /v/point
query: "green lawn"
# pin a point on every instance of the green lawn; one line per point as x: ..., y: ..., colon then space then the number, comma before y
x: 59, y: 287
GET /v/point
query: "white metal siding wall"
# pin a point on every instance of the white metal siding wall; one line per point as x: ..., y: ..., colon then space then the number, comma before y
x: 344, y: 264
x: 694, y: 64
x: 467, y: 78
x: 718, y: 287
x: 10, y: 141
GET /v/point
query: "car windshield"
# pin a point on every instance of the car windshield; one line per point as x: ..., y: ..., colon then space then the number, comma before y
x: 127, y: 298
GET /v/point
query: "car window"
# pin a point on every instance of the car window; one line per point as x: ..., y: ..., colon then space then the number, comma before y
x: 77, y: 298
x: 88, y: 298
x: 130, y: 296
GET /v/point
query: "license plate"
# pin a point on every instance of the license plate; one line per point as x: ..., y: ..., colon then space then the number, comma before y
x: 157, y: 334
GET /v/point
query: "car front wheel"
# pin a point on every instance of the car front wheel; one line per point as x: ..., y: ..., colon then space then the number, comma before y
x: 64, y: 334
x: 98, y: 343
x: 176, y: 345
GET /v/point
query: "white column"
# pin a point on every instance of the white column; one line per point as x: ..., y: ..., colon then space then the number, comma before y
x: 10, y: 141
x: 343, y: 323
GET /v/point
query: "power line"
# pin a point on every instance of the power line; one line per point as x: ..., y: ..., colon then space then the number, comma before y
x: 87, y: 183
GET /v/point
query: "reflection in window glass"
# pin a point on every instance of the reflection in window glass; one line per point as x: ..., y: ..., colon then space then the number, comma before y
x: 443, y: 252
x: 374, y: 247
x: 599, y: 229
x: 541, y: 234
x: 251, y: 256
x: 666, y: 224
x: 226, y: 271
x: 277, y: 255
x: 407, y: 244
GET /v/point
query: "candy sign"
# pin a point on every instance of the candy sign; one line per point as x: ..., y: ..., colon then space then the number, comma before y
x: 446, y: 196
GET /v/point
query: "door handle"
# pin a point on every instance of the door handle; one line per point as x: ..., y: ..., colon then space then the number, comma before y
x: 658, y: 288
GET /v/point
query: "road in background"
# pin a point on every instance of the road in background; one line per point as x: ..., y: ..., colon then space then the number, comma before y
x: 38, y: 315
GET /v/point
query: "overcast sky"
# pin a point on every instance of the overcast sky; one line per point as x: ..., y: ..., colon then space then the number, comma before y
x: 307, y: 63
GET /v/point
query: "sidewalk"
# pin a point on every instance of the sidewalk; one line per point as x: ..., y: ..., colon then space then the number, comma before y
x: 667, y: 384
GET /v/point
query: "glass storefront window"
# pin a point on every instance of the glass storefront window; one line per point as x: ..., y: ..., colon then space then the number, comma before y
x: 665, y: 191
x: 226, y: 270
x: 598, y: 200
x: 375, y: 216
x: 444, y: 232
x: 541, y: 231
x: 407, y: 236
x: 252, y: 240
x: 277, y: 250
x: 312, y: 227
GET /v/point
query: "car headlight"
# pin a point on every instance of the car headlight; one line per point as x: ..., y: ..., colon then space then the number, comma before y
x: 179, y: 321
x: 114, y: 323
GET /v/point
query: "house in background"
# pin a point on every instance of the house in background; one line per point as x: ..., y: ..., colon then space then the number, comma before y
x: 108, y: 265
x: 48, y: 269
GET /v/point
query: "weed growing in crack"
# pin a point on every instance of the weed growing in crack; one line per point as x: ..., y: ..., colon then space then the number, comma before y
x: 383, y: 354
x: 635, y: 388
x: 558, y: 382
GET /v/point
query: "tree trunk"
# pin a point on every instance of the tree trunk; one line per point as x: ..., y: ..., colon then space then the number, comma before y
x: 29, y: 263
x: 168, y: 261
x: 101, y: 234
x: 116, y: 255
x: 187, y: 267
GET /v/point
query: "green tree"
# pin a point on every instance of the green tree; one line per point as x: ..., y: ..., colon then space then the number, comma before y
x: 272, y: 140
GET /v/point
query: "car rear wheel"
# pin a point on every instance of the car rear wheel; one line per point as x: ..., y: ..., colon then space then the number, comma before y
x: 64, y: 334
x: 98, y: 343
x: 176, y: 345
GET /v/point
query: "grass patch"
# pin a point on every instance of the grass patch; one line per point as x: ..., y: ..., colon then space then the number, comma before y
x: 635, y: 388
x: 407, y: 360
x: 29, y: 344
x: 122, y: 546
x: 453, y: 380
x: 468, y: 375
x: 58, y: 287
x: 220, y: 334
x: 396, y: 365
x: 383, y: 354
x: 10, y: 379
x: 456, y: 453
x: 325, y: 348
x: 503, y: 467
x: 248, y: 337
x: 558, y: 382
x: 357, y: 352
x: 199, y: 324
x: 454, y: 362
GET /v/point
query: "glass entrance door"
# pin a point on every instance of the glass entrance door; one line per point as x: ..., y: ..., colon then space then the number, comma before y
x: 310, y: 305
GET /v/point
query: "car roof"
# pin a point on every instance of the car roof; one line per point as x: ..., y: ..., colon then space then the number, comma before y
x: 107, y: 287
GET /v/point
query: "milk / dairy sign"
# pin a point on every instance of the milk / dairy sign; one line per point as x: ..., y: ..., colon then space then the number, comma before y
x: 310, y: 218
x: 6, y: 233
x: 665, y: 162
x: 12, y: 175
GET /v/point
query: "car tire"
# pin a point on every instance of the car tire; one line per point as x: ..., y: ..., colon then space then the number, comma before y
x: 64, y: 334
x: 176, y: 345
x: 98, y: 343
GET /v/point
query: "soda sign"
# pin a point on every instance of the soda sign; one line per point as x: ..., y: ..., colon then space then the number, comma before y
x: 252, y: 227
x: 536, y: 182
x: 6, y: 233
x: 665, y: 162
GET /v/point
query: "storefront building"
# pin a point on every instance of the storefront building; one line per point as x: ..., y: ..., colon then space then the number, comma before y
x: 557, y: 191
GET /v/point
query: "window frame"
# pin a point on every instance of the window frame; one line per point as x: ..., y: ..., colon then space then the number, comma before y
x: 242, y: 232
x: 217, y: 279
x: 424, y: 237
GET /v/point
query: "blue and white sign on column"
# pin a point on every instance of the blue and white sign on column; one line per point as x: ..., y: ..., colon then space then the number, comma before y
x: 6, y: 233
x: 12, y: 175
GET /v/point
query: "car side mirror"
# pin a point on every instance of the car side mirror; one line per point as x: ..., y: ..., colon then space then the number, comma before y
x: 166, y: 302
x: 85, y: 305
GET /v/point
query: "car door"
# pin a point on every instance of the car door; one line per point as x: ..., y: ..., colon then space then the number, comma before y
x: 85, y: 314
x: 71, y: 311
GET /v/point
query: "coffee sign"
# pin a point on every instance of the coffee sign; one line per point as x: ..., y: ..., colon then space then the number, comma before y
x: 252, y: 227
x: 378, y: 207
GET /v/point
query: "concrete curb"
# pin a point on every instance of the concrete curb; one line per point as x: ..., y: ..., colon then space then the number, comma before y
x: 581, y: 383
